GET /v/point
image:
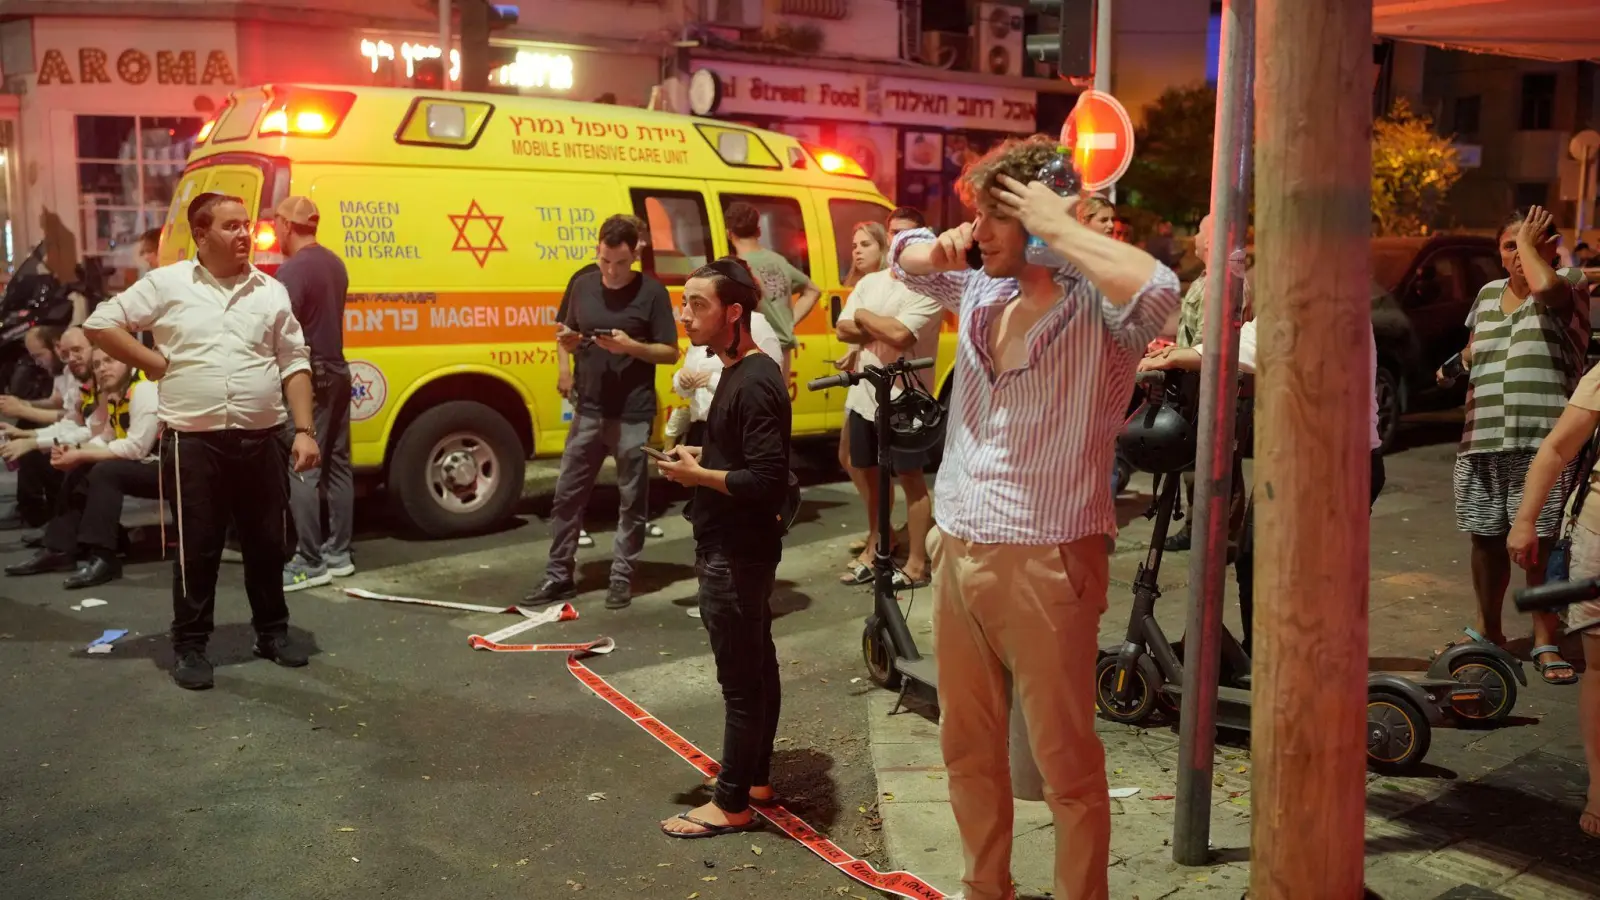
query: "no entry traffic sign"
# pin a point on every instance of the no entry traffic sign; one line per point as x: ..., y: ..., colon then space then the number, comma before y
x: 1099, y: 134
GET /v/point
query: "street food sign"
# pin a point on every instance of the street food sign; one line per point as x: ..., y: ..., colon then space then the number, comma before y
x: 1099, y: 135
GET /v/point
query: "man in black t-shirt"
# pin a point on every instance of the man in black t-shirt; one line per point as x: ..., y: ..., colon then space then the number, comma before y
x: 740, y: 480
x: 619, y: 325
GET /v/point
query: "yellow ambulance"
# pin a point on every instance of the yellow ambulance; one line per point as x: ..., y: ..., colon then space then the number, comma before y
x: 461, y: 218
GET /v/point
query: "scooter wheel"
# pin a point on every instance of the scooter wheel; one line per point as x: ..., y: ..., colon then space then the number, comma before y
x: 1498, y: 684
x: 878, y: 653
x: 1398, y: 735
x: 1141, y: 701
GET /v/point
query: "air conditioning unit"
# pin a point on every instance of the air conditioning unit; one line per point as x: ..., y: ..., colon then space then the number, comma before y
x: 741, y: 14
x: 999, y: 39
x: 947, y: 50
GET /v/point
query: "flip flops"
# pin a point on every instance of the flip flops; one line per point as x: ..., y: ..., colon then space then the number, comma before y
x: 903, y: 582
x: 711, y: 830
x: 1559, y: 665
x: 858, y: 573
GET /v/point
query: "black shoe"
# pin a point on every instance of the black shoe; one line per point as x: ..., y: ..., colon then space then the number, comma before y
x: 33, y: 539
x: 552, y: 591
x: 193, y: 671
x: 42, y: 562
x: 620, y: 596
x: 1178, y: 543
x: 277, y: 648
x: 93, y: 571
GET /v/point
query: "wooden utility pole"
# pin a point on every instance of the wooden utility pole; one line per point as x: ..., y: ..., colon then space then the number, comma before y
x: 1313, y: 221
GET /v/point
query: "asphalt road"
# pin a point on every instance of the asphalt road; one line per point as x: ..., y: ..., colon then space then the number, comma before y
x: 402, y: 764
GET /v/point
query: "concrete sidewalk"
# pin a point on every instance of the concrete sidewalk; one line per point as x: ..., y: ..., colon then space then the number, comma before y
x: 1492, y: 814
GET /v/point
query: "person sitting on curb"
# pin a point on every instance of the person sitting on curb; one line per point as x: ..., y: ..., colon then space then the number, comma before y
x: 117, y: 460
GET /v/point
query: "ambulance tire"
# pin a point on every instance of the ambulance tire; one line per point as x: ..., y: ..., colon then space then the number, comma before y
x: 411, y: 481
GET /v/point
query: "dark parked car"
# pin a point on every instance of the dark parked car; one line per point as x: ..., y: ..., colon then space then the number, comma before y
x: 1423, y: 289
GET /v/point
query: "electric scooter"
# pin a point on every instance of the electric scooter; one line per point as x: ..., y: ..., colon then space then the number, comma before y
x: 1470, y: 683
x: 891, y: 654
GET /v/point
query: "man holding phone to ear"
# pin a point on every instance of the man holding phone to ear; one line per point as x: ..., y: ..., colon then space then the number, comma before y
x: 1024, y: 515
x: 619, y: 326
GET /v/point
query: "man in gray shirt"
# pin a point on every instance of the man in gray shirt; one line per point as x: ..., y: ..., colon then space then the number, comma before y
x: 317, y: 283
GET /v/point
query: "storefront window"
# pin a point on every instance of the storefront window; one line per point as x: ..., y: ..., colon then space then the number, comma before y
x: 846, y: 215
x: 128, y: 168
x: 783, y: 226
x: 9, y: 208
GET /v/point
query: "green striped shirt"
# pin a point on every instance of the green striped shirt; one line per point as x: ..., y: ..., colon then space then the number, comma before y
x: 1525, y: 363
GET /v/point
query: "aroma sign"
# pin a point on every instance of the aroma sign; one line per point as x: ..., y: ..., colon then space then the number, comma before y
x: 131, y: 66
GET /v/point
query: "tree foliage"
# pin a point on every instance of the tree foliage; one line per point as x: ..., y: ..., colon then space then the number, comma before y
x: 1171, y: 170
x: 1413, y: 169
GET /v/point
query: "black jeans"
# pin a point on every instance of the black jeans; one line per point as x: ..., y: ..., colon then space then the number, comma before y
x: 733, y: 607
x: 1244, y: 567
x: 89, y: 513
x: 38, y: 488
x: 214, y: 477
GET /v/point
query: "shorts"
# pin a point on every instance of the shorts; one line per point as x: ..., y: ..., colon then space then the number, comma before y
x: 1585, y: 564
x: 1488, y: 488
x: 864, y: 448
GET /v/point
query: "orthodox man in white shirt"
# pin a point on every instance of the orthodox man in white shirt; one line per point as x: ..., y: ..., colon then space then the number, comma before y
x: 1024, y: 513
x: 229, y: 352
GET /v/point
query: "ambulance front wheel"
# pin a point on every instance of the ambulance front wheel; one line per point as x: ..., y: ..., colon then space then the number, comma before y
x: 457, y: 469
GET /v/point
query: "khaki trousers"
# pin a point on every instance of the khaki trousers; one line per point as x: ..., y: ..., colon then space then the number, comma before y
x: 1035, y: 612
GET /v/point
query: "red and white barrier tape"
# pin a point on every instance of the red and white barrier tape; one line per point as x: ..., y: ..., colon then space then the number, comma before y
x: 566, y: 612
x: 442, y: 604
x: 900, y: 884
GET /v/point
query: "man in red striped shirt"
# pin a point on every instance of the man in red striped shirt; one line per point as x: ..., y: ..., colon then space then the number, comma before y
x: 1024, y: 513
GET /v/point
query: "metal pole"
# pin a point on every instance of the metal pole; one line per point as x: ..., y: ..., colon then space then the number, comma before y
x: 1231, y: 173
x: 1584, y: 189
x: 1313, y: 399
x: 444, y: 43
x: 1102, y: 61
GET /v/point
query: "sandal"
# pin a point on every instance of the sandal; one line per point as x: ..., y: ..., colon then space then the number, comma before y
x: 858, y: 547
x: 1473, y: 637
x: 858, y: 573
x: 711, y: 830
x: 903, y: 582
x: 1545, y: 668
x: 1590, y: 823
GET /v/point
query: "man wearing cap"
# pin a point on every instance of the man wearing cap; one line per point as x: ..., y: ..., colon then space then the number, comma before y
x: 230, y: 353
x: 317, y: 283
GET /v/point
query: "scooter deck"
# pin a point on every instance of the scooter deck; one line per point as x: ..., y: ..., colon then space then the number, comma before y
x: 923, y: 671
x: 1233, y: 705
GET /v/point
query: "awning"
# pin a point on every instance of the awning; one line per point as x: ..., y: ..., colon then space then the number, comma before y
x: 1537, y: 29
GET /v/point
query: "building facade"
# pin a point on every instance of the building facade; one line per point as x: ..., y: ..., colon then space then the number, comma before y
x: 1511, y: 120
x: 102, y: 99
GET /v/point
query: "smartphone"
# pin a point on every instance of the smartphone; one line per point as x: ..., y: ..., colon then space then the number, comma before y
x: 593, y: 333
x: 658, y: 455
x: 974, y: 256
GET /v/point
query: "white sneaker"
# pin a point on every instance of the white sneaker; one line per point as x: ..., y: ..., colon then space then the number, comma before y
x: 654, y: 530
x: 584, y: 540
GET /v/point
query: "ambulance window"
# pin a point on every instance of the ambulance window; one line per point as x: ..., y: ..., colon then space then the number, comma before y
x: 680, y: 233
x: 783, y: 226
x: 846, y: 215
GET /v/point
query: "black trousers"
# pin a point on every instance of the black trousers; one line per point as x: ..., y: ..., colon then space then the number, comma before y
x: 89, y: 511
x: 733, y: 608
x: 38, y: 488
x: 1244, y: 567
x: 214, y: 477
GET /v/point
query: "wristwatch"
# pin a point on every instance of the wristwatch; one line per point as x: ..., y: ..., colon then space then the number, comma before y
x: 308, y: 432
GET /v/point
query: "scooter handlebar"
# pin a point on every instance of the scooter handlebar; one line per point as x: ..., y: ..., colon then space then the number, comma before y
x: 1549, y: 597
x: 830, y: 381
x: 846, y: 379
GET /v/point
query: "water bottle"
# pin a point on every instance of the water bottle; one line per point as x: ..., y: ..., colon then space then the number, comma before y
x: 1059, y: 176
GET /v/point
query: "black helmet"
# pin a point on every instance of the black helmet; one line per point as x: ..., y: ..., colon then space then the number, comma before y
x: 1160, y: 438
x: 916, y: 419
